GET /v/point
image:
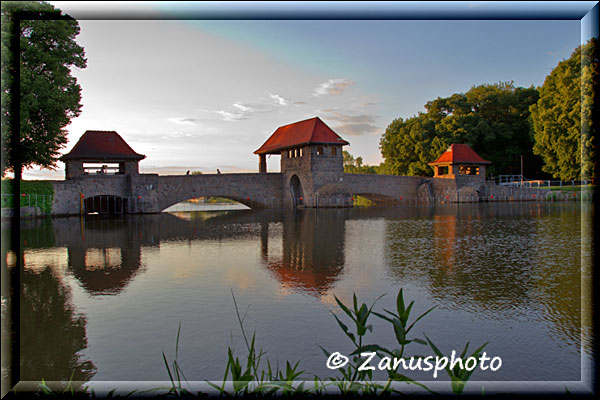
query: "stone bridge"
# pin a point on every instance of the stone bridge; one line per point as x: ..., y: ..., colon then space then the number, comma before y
x: 102, y: 175
x: 150, y: 193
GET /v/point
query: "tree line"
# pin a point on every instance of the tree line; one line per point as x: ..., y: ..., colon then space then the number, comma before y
x: 549, y: 126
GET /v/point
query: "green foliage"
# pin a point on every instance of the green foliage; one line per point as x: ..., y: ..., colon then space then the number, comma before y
x: 562, y: 124
x: 360, y: 201
x: 40, y: 193
x: 219, y: 200
x: 492, y: 119
x: 355, y: 165
x: 458, y: 376
x: 249, y: 378
x: 50, y: 96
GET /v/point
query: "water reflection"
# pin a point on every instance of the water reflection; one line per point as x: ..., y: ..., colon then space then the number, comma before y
x: 104, y: 254
x: 514, y: 267
x: 501, y: 261
x: 312, y: 255
x: 52, y: 334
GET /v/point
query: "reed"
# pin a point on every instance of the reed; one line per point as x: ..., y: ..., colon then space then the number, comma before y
x: 254, y: 375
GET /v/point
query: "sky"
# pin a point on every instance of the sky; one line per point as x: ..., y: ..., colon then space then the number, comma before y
x: 205, y: 94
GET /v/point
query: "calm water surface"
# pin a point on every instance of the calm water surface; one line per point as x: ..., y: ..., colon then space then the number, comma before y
x: 106, y: 296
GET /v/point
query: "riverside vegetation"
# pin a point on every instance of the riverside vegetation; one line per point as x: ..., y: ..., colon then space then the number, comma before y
x: 256, y: 376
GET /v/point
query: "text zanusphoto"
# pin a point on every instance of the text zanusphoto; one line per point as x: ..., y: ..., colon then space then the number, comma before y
x: 337, y: 360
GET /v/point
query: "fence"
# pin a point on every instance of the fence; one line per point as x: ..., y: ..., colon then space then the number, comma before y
x: 39, y: 203
x: 519, y: 181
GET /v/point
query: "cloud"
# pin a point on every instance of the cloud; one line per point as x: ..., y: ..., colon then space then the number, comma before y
x: 353, y: 125
x: 243, y: 111
x: 279, y: 100
x: 178, y: 135
x: 183, y: 121
x: 332, y: 87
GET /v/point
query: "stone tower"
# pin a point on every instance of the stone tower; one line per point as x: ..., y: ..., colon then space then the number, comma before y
x: 101, y: 153
x: 311, y: 163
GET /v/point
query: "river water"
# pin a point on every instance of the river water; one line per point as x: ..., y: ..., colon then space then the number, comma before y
x: 104, y: 297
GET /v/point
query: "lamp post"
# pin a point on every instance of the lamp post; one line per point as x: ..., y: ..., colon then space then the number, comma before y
x: 521, y: 170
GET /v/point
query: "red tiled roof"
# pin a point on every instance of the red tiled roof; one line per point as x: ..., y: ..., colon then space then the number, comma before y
x: 310, y: 131
x: 102, y: 145
x: 460, y: 154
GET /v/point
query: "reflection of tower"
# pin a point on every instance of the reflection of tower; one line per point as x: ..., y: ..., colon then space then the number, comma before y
x: 312, y: 253
x: 109, y: 257
x: 444, y: 234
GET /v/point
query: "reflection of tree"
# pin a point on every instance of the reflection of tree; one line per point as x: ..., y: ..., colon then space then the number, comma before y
x: 52, y: 334
x: 466, y: 257
x: 503, y: 260
x: 558, y: 280
x: 36, y: 233
x: 313, y: 251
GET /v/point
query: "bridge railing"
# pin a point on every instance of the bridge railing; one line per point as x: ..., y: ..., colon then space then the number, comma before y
x: 519, y: 181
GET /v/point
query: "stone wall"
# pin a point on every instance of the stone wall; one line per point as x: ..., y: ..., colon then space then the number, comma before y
x: 67, y: 194
x: 385, y: 189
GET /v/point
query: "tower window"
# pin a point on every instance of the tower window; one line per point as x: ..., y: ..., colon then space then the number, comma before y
x: 320, y: 151
x: 334, y: 151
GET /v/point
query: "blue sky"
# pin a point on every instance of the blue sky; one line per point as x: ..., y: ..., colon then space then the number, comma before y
x: 204, y: 94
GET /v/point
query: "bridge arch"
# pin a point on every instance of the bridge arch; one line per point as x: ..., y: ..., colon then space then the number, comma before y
x: 107, y: 205
x: 252, y: 190
x: 238, y: 200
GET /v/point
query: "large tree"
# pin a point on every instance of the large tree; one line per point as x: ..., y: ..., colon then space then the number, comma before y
x: 559, y: 115
x: 49, y: 95
x: 492, y: 119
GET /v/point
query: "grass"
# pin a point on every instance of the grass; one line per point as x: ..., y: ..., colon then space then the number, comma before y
x: 575, y: 188
x: 33, y: 193
x: 360, y: 201
x: 218, y: 200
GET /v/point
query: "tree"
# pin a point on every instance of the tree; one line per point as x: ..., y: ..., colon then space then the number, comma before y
x: 492, y: 119
x: 49, y: 95
x: 558, y: 116
x: 355, y: 165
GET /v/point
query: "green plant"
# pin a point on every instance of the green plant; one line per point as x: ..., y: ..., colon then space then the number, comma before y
x: 401, y: 327
x: 247, y: 378
x: 353, y: 380
x: 176, y: 373
x: 459, y: 376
